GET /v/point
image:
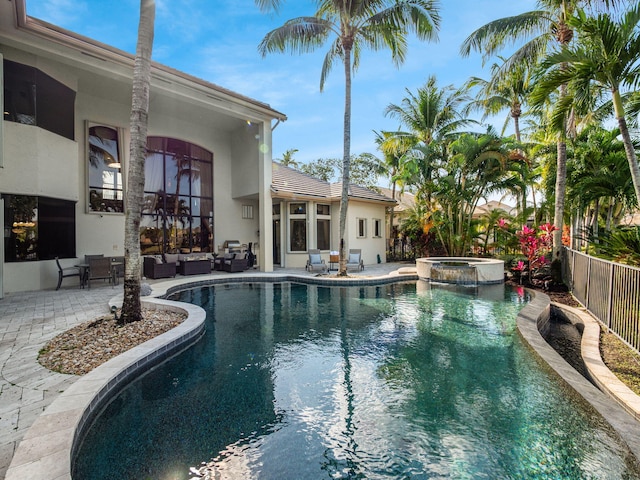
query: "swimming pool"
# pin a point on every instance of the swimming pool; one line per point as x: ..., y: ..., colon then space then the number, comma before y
x: 396, y: 381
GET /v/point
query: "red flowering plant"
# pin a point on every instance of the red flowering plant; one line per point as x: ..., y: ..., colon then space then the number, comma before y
x: 535, y: 244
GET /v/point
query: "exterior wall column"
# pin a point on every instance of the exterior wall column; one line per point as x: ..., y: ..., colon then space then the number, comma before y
x: 265, y: 223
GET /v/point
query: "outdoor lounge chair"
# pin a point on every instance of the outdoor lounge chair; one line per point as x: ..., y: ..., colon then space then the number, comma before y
x: 236, y: 264
x: 354, y: 260
x: 316, y: 262
x: 66, y: 272
x: 156, y: 267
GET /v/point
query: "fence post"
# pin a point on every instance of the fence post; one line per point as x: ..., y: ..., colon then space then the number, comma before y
x: 586, y: 295
x: 610, y: 299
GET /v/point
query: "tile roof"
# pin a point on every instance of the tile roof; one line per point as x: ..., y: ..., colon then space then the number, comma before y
x: 286, y: 180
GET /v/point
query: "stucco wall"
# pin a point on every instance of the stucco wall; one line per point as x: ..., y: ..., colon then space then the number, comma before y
x: 38, y: 162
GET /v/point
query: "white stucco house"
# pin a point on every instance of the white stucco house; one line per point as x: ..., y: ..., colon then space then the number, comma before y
x: 306, y: 214
x: 64, y: 151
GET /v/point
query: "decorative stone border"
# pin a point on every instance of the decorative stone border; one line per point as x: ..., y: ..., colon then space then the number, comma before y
x: 531, y: 321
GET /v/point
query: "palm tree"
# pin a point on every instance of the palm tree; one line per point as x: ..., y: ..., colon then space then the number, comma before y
x: 287, y: 158
x: 131, y: 307
x: 394, y: 149
x: 474, y: 168
x: 432, y: 116
x: 375, y: 24
x: 606, y: 57
x: 538, y: 30
x: 505, y: 90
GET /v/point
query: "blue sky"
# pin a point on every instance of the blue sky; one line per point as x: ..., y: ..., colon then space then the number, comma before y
x: 217, y: 41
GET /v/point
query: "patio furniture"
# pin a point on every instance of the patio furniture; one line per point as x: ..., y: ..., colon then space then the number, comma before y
x: 64, y: 272
x: 194, y: 267
x: 315, y: 261
x: 236, y: 264
x: 220, y: 259
x: 155, y: 267
x: 354, y: 260
x: 99, y: 269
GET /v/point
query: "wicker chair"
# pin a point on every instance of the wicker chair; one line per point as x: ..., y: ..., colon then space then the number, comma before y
x: 153, y: 269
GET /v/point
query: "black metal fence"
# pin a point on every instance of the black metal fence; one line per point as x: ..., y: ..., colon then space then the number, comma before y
x: 610, y: 291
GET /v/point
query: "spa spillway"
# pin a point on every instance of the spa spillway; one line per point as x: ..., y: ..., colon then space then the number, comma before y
x: 461, y: 270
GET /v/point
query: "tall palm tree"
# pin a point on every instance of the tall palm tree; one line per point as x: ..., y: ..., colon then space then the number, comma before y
x: 432, y: 113
x: 607, y: 56
x: 431, y: 117
x: 131, y: 306
x: 375, y: 24
x: 539, y: 30
x: 504, y: 90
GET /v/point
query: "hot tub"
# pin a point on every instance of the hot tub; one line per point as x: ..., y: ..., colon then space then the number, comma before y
x: 461, y: 270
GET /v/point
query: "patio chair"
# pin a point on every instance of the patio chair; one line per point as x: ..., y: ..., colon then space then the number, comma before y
x: 354, y: 260
x: 316, y: 262
x: 66, y: 272
x: 236, y: 264
x: 155, y: 267
x: 99, y: 269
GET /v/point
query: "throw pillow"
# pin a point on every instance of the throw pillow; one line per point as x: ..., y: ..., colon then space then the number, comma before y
x: 354, y: 258
x: 315, y: 258
x: 158, y: 259
x: 171, y: 257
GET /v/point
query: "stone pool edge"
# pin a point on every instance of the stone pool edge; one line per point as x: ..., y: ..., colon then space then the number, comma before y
x: 532, y: 320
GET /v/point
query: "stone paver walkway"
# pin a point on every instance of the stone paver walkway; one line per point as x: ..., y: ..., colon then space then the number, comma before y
x: 27, y: 321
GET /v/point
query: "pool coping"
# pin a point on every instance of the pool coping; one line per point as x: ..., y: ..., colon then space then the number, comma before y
x: 531, y: 321
x: 47, y: 447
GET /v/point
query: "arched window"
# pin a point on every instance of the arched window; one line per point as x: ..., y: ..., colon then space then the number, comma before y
x: 177, y: 214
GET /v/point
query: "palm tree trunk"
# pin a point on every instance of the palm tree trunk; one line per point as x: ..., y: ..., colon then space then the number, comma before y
x: 561, y: 184
x: 346, y: 159
x: 392, y: 214
x: 628, y: 144
x: 516, y: 127
x: 131, y: 307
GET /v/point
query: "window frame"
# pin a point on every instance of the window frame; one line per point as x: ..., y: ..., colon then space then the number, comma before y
x: 361, y: 227
x: 177, y: 217
x: 297, y: 218
x: 377, y: 228
x: 324, y: 218
x: 52, y: 102
x: 117, y: 172
x: 50, y: 228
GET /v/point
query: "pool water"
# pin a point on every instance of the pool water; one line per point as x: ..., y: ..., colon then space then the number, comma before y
x: 398, y: 381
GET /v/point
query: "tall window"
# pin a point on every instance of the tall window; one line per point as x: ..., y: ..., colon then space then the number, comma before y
x: 362, y: 227
x: 38, y: 228
x: 298, y: 227
x: 323, y: 227
x: 32, y: 97
x: 377, y: 228
x: 105, y: 170
x: 177, y: 214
